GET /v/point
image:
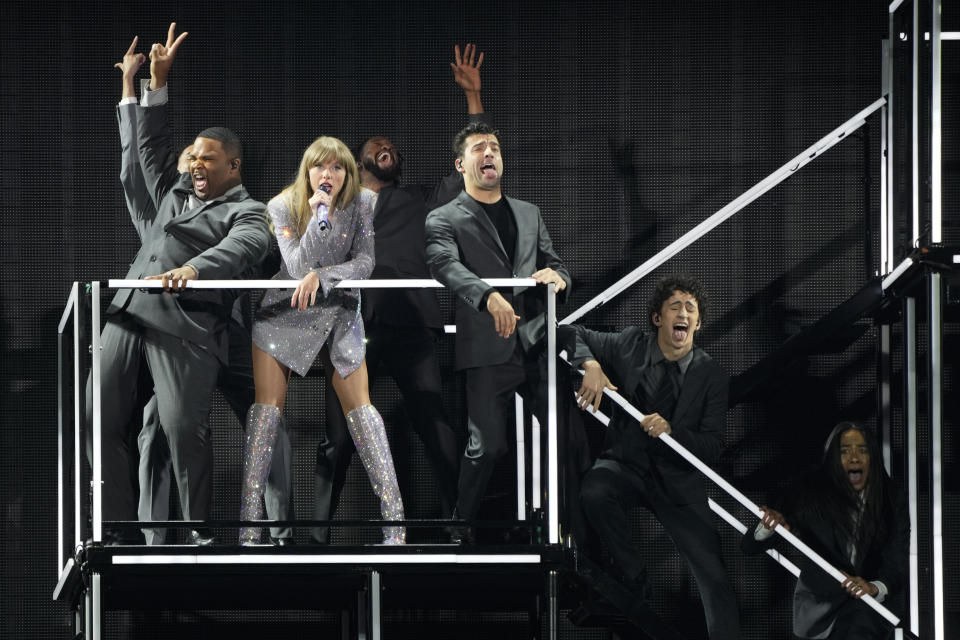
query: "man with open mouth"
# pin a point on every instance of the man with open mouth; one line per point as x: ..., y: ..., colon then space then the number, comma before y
x: 483, y: 233
x: 683, y: 392
x: 202, y: 224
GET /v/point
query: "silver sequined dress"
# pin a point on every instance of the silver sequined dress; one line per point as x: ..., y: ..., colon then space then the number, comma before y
x: 342, y: 252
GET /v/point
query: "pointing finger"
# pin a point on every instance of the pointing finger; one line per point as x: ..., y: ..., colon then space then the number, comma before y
x: 133, y: 45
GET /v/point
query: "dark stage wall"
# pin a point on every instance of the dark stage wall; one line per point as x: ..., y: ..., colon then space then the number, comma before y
x: 627, y: 122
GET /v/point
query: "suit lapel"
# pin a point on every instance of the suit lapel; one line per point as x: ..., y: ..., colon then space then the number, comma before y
x: 469, y: 205
x: 523, y: 223
x: 189, y: 216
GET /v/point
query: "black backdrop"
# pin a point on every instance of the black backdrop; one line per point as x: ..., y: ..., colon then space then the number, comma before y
x: 626, y: 122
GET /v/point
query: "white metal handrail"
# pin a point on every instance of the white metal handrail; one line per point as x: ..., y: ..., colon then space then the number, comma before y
x: 553, y: 526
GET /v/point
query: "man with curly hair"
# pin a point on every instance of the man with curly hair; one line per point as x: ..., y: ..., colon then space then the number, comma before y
x: 683, y: 392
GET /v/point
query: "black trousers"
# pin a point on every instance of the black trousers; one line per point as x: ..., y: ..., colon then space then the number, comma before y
x: 408, y: 355
x: 610, y: 489
x: 856, y: 621
x: 490, y: 425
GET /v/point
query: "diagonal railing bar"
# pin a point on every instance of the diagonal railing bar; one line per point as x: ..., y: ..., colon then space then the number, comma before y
x: 684, y: 241
x: 725, y: 515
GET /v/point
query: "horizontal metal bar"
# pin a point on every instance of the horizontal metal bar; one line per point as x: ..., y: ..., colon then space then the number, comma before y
x: 292, y: 284
x: 340, y: 558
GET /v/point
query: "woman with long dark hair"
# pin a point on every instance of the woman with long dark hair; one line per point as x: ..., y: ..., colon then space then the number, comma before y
x: 324, y: 227
x: 847, y: 511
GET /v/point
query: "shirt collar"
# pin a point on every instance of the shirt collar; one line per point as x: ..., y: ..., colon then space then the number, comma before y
x: 193, y: 201
x: 656, y: 356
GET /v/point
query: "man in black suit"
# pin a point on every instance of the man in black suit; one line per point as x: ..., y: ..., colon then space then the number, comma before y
x: 484, y: 234
x: 401, y: 325
x: 684, y: 393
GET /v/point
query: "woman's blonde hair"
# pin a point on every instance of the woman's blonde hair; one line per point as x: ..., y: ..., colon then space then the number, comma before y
x: 297, y: 195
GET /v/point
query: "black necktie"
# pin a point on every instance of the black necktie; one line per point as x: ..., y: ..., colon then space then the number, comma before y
x: 664, y: 399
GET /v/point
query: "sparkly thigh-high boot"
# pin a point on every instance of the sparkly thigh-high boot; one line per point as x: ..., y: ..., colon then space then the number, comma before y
x: 366, y: 428
x: 263, y: 420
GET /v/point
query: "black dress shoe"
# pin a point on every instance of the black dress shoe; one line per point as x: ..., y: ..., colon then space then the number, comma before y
x: 283, y: 542
x: 201, y: 538
x: 461, y: 535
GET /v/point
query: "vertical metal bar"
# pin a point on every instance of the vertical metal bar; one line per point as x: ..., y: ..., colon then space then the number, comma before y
x: 915, y: 127
x: 892, y: 97
x: 935, y: 125
x: 375, y: 605
x: 88, y: 613
x: 883, y: 262
x: 521, y: 458
x: 910, y: 420
x: 883, y: 376
x: 96, y: 626
x: 936, y: 450
x: 60, y: 409
x: 553, y: 523
x: 553, y: 608
x: 363, y: 620
x: 97, y: 460
x: 79, y: 396
x: 536, y: 463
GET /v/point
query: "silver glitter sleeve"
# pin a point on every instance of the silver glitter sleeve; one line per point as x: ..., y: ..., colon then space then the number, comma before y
x: 299, y: 252
x: 360, y: 262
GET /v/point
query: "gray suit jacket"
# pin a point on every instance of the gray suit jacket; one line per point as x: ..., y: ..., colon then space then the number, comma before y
x: 462, y: 247
x: 223, y: 240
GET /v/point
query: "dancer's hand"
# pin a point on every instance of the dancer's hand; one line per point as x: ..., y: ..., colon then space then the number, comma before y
x: 466, y: 73
x: 655, y: 424
x: 128, y: 67
x: 504, y: 317
x: 858, y: 587
x: 772, y: 519
x: 175, y: 279
x: 306, y: 292
x: 161, y: 57
x: 548, y: 275
x: 594, y: 382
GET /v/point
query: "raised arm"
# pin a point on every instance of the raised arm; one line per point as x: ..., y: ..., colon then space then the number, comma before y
x: 157, y: 157
x: 466, y: 73
x: 135, y: 191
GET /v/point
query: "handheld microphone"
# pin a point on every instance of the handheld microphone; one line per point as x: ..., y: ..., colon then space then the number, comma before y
x: 323, y: 212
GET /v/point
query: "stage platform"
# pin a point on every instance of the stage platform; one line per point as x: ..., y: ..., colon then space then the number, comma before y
x: 360, y: 582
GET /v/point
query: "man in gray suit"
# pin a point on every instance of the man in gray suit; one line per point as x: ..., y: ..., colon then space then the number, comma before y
x: 235, y: 381
x: 484, y: 234
x: 203, y: 224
